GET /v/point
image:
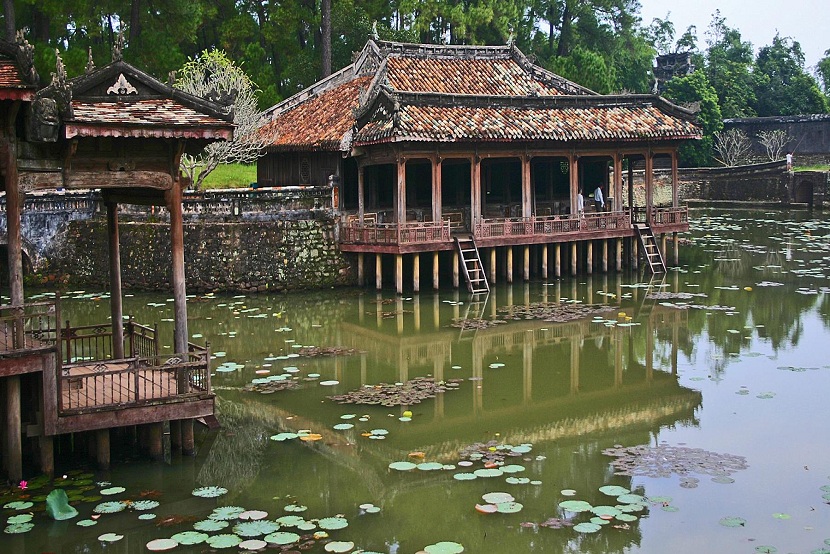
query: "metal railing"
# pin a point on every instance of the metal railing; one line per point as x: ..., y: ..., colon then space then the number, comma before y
x: 135, y: 381
x: 27, y: 327
x: 94, y: 342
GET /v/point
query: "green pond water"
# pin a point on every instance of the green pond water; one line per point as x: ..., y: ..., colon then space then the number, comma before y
x: 719, y: 373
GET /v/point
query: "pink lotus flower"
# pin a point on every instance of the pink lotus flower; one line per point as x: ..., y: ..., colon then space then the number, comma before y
x: 23, y: 485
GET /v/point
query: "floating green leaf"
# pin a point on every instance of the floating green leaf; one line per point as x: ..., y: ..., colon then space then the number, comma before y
x: 17, y: 528
x: 19, y: 505
x: 509, y: 507
x: 210, y: 525
x: 331, y: 523
x: 226, y: 513
x: 464, y: 476
x: 732, y: 521
x: 112, y: 490
x: 402, y: 466
x: 86, y: 523
x: 209, y: 492
x: 282, y: 538
x: 575, y: 505
x: 290, y: 521
x: 109, y: 507
x: 110, y: 537
x: 587, y: 527
x: 497, y: 497
x: 223, y: 541
x: 613, y: 490
x: 339, y: 546
x: 255, y: 528
x: 141, y: 505
x: 444, y: 547
x: 20, y: 518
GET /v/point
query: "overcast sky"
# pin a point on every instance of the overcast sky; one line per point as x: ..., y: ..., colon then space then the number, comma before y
x: 807, y: 21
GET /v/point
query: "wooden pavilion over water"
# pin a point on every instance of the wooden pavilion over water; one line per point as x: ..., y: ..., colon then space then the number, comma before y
x: 122, y: 131
x: 476, y: 152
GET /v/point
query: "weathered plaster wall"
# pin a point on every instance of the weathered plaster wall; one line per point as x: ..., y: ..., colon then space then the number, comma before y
x: 763, y: 182
x: 241, y: 256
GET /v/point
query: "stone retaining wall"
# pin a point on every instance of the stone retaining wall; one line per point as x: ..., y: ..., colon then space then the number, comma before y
x: 242, y: 256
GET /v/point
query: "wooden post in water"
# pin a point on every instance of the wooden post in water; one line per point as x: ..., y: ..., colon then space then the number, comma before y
x: 102, y: 448
x: 155, y: 450
x: 573, y: 258
x: 526, y: 260
x: 619, y: 254
x: 14, y: 430
x: 676, y: 246
x: 416, y: 272
x: 545, y: 261
x: 635, y: 254
x: 605, y: 255
x: 435, y: 284
x: 509, y: 264
x: 116, y: 309
x: 493, y: 266
x: 663, y: 243
x: 360, y: 269
x: 455, y: 268
x: 174, y: 206
x: 589, y: 262
x: 557, y: 259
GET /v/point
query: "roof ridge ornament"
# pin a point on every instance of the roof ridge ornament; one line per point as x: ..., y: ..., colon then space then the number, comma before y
x: 90, y: 63
x: 122, y: 87
x: 25, y: 56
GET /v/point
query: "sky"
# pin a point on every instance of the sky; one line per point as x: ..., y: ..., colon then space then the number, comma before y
x: 806, y: 21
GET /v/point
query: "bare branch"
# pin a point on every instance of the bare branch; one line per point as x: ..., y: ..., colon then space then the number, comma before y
x: 732, y: 146
x: 774, y: 143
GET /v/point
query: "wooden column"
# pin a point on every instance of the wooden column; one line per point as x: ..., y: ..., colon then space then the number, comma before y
x: 649, y: 186
x: 676, y: 247
x: 618, y: 200
x: 361, y: 193
x: 619, y: 254
x: 155, y: 434
x: 398, y: 273
x: 455, y: 268
x: 416, y: 272
x: 526, y: 263
x: 573, y: 174
x: 509, y: 264
x: 436, y: 189
x: 174, y: 206
x: 557, y: 259
x: 360, y: 269
x: 475, y: 191
x: 663, y: 243
x: 188, y: 440
x: 400, y: 204
x: 116, y: 309
x: 544, y: 261
x: 675, y: 184
x: 378, y: 271
x: 14, y: 430
x: 527, y: 193
x: 102, y: 448
x: 435, y: 284
x: 635, y: 254
x: 630, y: 183
x: 605, y: 255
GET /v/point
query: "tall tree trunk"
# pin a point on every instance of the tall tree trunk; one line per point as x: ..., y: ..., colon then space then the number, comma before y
x: 564, y: 47
x: 8, y: 12
x: 135, y: 22
x: 40, y: 27
x: 325, y: 29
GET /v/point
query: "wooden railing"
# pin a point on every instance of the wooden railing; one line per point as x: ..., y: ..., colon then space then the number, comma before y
x: 394, y: 233
x: 669, y: 216
x: 94, y: 342
x: 135, y: 381
x: 550, y: 225
x: 28, y: 327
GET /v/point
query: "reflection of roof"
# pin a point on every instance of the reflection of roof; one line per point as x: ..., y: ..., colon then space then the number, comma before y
x: 437, y: 93
x: 155, y: 117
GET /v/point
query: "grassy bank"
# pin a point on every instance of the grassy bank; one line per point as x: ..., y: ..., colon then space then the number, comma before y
x: 229, y: 176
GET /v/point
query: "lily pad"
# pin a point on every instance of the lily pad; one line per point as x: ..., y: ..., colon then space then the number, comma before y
x: 331, y: 523
x: 210, y: 525
x: 587, y: 527
x: 190, y: 537
x: 109, y: 507
x: 613, y: 490
x: 19, y: 505
x: 284, y: 436
x: 223, y: 541
x: 209, y: 492
x: 575, y: 505
x: 226, y: 513
x: 444, y: 547
x: 402, y: 466
x: 339, y: 546
x: 497, y: 497
x: 110, y: 537
x: 253, y: 544
x: 282, y: 538
x: 142, y: 505
x: 253, y: 515
x: 732, y: 521
x: 464, y: 476
x: 160, y: 545
x: 509, y: 507
x: 57, y: 506
x: 17, y: 528
x: 255, y: 528
x: 112, y: 490
x: 86, y: 523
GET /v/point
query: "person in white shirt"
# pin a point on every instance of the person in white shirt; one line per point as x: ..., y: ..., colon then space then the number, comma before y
x: 599, y: 201
x: 580, y: 205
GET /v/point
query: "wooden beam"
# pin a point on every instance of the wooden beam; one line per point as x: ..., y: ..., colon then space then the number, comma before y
x: 589, y: 261
x: 526, y: 263
x: 361, y: 193
x: 188, y: 441
x: 188, y: 408
x: 75, y: 179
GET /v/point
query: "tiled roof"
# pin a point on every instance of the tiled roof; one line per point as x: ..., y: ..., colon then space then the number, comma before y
x: 445, y: 93
x: 500, y: 77
x: 157, y: 117
x: 12, y: 86
x: 523, y: 119
x: 321, y: 122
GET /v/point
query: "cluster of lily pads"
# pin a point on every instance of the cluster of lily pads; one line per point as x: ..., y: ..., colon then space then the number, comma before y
x: 664, y: 460
x: 620, y: 515
x: 553, y: 312
x: 409, y: 393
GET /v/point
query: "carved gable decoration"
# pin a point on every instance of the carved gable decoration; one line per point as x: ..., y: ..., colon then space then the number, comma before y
x: 122, y: 87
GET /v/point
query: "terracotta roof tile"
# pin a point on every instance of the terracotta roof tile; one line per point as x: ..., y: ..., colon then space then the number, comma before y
x: 148, y: 117
x: 500, y: 77
x: 459, y: 124
x: 321, y: 122
x: 10, y: 75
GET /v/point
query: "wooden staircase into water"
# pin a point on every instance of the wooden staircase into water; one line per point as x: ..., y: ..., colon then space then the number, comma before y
x: 471, y: 265
x: 651, y: 250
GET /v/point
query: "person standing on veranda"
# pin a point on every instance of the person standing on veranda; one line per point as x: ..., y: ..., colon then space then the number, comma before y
x: 599, y: 201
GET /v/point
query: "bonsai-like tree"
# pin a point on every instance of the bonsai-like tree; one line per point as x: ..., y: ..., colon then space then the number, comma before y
x: 213, y: 76
x: 774, y: 143
x: 732, y: 146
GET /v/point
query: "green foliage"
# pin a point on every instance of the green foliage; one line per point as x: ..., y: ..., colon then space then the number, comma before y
x: 823, y: 72
x: 782, y: 86
x: 695, y: 89
x: 585, y: 67
x: 227, y: 176
x: 728, y: 67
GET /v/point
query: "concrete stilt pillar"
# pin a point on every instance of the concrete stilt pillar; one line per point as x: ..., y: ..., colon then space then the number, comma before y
x: 509, y: 264
x: 544, y: 261
x: 14, y: 445
x: 605, y: 255
x: 635, y: 254
x: 399, y: 273
x: 176, y: 435
x: 378, y: 272
x: 526, y: 263
x: 416, y: 272
x: 102, y: 448
x: 557, y: 260
x: 155, y: 448
x: 619, y: 254
x: 663, y: 244
x: 676, y: 247
x: 360, y: 269
x: 589, y: 262
x: 455, y: 268
x: 573, y: 258
x: 493, y: 266
x: 435, y: 284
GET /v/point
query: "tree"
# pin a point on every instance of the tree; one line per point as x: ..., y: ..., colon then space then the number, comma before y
x: 212, y: 75
x: 695, y: 90
x: 774, y: 142
x: 782, y: 86
x: 732, y: 146
x: 729, y: 67
x: 823, y: 72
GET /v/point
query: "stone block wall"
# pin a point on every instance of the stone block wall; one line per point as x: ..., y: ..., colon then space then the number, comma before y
x: 274, y: 255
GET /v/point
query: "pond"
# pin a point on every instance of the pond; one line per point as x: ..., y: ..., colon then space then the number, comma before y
x: 604, y: 413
